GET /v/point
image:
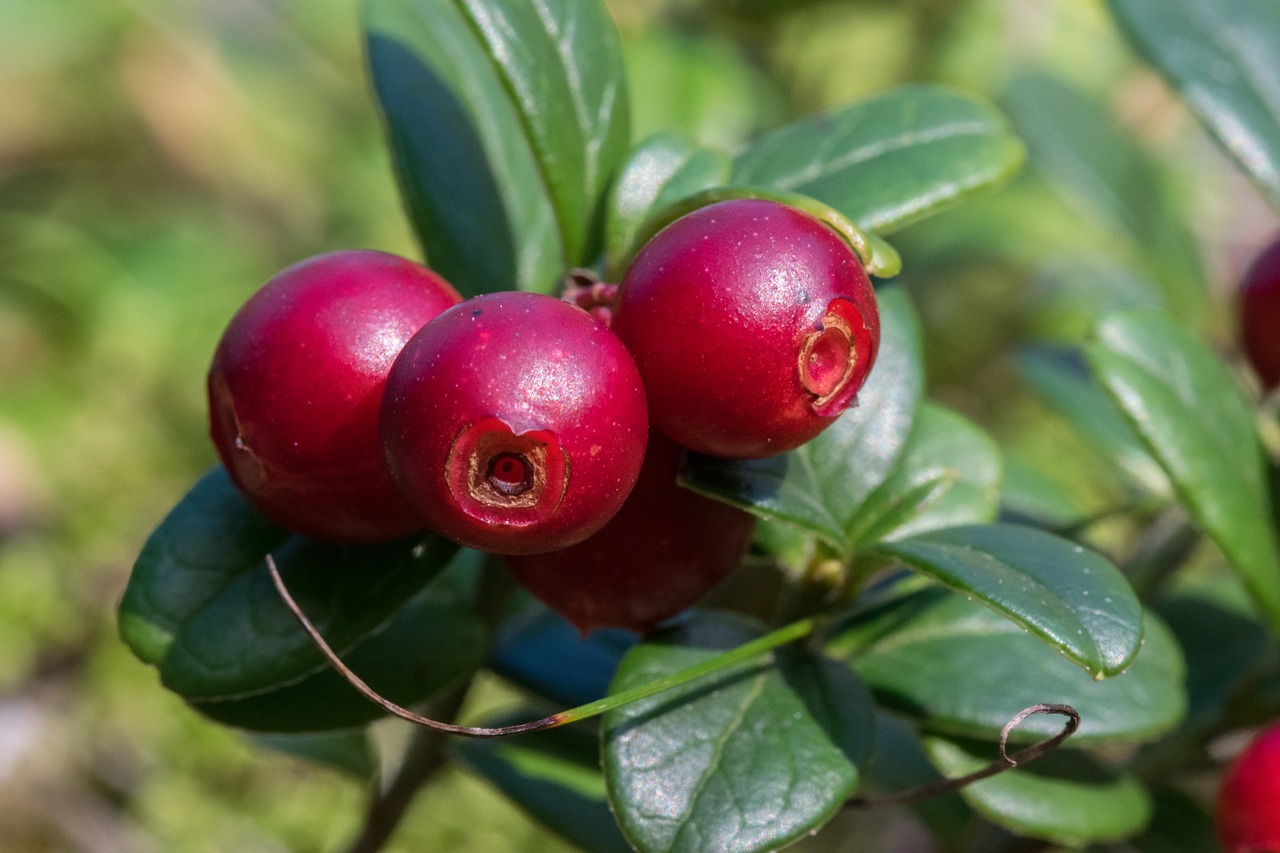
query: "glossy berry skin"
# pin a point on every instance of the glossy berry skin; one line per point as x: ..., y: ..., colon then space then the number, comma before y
x: 1248, y: 812
x: 515, y: 423
x: 296, y: 385
x: 753, y: 325
x: 664, y: 550
x: 1260, y: 316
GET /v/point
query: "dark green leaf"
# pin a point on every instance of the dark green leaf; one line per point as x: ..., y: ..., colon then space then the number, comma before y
x: 898, y: 763
x: 963, y: 669
x: 433, y: 640
x: 348, y: 751
x: 1062, y: 379
x: 554, y: 776
x: 749, y: 759
x: 889, y: 160
x: 1071, y: 597
x: 949, y: 474
x: 1078, y: 148
x: 1065, y: 796
x: 542, y: 652
x: 1196, y: 422
x: 506, y: 121
x: 822, y: 486
x: 1224, y: 57
x: 662, y: 170
x: 1179, y: 825
x: 201, y: 606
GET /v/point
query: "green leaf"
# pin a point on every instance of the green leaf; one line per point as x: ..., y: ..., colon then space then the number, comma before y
x: 436, y: 638
x: 963, y: 669
x: 1078, y: 148
x: 1062, y: 380
x: 1065, y: 797
x: 749, y: 759
x: 507, y: 122
x: 554, y: 776
x: 890, y: 160
x: 1196, y: 422
x: 948, y: 475
x: 1030, y: 496
x: 1179, y: 825
x: 822, y: 486
x: 348, y: 751
x: 662, y: 170
x: 1224, y: 58
x: 201, y: 606
x: 542, y: 652
x: 898, y: 763
x: 1069, y: 596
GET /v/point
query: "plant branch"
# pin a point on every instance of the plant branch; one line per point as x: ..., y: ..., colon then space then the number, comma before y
x: 1005, y: 762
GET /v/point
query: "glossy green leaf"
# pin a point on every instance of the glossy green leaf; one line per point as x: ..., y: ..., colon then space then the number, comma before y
x: 1196, y: 422
x: 1066, y: 796
x: 889, y: 160
x: 749, y: 759
x: 822, y: 486
x: 1078, y: 148
x: 1224, y: 58
x: 506, y: 122
x: 435, y: 639
x: 1062, y: 380
x: 348, y: 751
x: 948, y: 475
x: 201, y: 606
x: 960, y: 668
x: 662, y: 170
x: 553, y: 775
x: 1071, y: 597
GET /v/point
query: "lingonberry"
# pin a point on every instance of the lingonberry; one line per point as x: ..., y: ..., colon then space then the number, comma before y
x: 663, y: 551
x: 296, y: 384
x: 1260, y: 315
x: 1248, y: 813
x: 515, y: 423
x: 753, y: 325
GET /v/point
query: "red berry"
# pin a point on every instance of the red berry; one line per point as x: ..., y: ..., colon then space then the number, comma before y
x: 663, y: 551
x: 1248, y: 813
x: 515, y: 423
x: 753, y: 325
x: 1260, y: 315
x: 296, y: 384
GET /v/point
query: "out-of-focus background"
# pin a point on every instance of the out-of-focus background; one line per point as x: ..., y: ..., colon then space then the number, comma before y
x: 160, y: 159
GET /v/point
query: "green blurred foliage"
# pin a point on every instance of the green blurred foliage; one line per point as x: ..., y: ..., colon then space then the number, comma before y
x: 160, y: 159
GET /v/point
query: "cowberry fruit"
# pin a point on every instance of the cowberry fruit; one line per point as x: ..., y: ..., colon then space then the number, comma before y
x: 296, y: 384
x: 753, y: 325
x: 1248, y: 813
x: 663, y: 551
x: 515, y: 423
x: 1260, y: 315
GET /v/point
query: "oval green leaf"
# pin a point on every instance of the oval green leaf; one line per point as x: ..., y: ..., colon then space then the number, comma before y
x: 506, y: 123
x: 1196, y: 422
x: 746, y: 760
x: 822, y: 486
x: 1066, y: 797
x: 961, y: 668
x: 890, y: 160
x: 1224, y: 57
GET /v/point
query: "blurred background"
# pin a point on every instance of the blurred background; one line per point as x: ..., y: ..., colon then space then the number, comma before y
x: 160, y: 159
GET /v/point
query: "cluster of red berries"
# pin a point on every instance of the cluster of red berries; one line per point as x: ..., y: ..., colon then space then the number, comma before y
x: 356, y: 397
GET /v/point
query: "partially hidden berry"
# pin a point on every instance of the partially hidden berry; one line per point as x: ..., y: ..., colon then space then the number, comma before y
x: 1248, y: 810
x: 515, y: 423
x: 1260, y: 316
x: 296, y: 385
x: 664, y: 550
x: 753, y: 325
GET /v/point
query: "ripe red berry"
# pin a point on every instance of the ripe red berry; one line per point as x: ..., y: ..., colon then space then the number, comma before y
x: 515, y: 423
x: 296, y: 383
x: 1248, y: 813
x: 1260, y: 315
x: 663, y: 551
x: 753, y: 325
